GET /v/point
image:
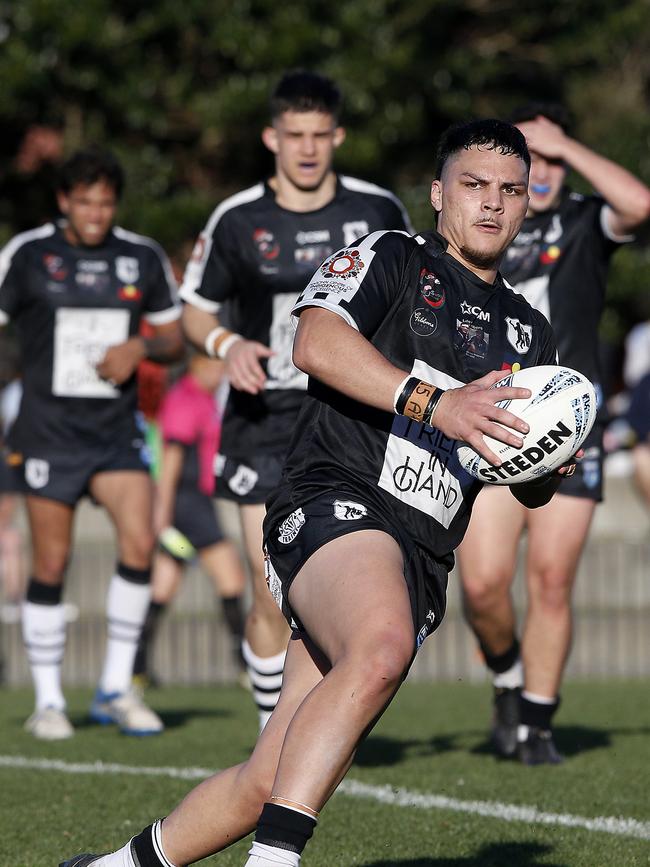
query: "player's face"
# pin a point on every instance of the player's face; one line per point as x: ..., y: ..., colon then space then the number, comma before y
x: 545, y: 184
x: 481, y: 201
x: 303, y: 143
x: 90, y: 212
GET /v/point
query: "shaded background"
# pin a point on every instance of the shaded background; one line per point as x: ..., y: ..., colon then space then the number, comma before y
x: 179, y: 91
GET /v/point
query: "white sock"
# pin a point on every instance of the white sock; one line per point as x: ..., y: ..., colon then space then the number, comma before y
x: 262, y: 855
x: 265, y: 674
x: 513, y: 678
x: 44, y: 637
x: 126, y: 608
x: 538, y: 699
x: 121, y: 858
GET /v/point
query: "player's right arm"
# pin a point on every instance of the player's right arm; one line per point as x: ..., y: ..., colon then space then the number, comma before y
x: 171, y: 466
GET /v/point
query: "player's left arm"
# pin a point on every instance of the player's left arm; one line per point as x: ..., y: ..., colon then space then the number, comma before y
x: 627, y: 196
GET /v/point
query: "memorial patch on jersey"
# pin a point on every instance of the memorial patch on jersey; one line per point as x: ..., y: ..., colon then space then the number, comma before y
x: 267, y: 246
x: 343, y: 265
x: 54, y: 266
x: 519, y: 335
x: 431, y: 289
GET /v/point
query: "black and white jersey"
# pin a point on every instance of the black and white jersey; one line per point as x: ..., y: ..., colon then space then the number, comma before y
x: 559, y: 263
x: 427, y: 314
x: 255, y: 258
x: 68, y: 305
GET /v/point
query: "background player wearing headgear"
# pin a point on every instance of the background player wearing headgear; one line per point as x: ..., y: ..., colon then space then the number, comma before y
x: 76, y: 291
x: 184, y: 514
x: 559, y: 263
x: 253, y: 258
x: 360, y: 535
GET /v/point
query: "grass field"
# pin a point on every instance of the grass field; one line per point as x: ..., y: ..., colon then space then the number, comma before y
x: 425, y: 790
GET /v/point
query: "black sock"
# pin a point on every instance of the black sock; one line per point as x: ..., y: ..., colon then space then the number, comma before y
x: 535, y: 714
x: 503, y: 661
x: 284, y: 828
x: 146, y: 847
x: 234, y: 616
x: 43, y: 594
x: 149, y: 629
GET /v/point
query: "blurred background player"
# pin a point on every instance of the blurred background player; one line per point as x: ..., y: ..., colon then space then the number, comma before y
x: 559, y: 262
x: 76, y: 291
x: 255, y: 255
x: 184, y: 514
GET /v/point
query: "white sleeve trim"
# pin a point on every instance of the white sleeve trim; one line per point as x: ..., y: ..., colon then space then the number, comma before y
x: 333, y: 308
x: 4, y: 317
x: 190, y: 296
x: 605, y: 211
x: 162, y: 317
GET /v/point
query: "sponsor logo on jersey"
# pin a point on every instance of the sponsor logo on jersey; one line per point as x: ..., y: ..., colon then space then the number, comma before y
x: 430, y: 289
x: 94, y: 282
x: 54, y: 266
x: 519, y: 335
x: 37, y: 472
x: 344, y: 265
x: 267, y: 246
x: 475, y: 311
x: 92, y: 266
x: 354, y: 230
x: 423, y: 322
x: 243, y: 480
x: 346, y: 510
x: 291, y: 526
x: 129, y: 293
x: 312, y: 255
x: 127, y: 269
x: 321, y: 236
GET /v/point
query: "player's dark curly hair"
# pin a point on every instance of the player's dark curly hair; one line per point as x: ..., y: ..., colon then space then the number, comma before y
x: 490, y: 133
x: 553, y: 111
x: 89, y: 166
x: 301, y: 90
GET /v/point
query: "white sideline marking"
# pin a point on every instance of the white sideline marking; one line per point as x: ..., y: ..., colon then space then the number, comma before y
x: 355, y: 789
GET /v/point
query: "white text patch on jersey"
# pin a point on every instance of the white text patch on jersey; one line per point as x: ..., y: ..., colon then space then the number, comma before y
x: 81, y: 338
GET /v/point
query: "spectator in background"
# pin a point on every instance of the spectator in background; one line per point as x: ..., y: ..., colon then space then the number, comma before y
x: 250, y: 263
x: 184, y: 513
x: 76, y: 291
x: 559, y: 263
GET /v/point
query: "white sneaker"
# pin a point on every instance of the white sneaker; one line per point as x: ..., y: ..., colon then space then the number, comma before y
x: 128, y: 710
x: 49, y: 724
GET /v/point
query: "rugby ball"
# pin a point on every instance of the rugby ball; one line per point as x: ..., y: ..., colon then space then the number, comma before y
x: 560, y: 412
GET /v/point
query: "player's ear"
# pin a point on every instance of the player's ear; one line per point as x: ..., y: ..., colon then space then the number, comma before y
x: 62, y: 202
x: 270, y: 138
x: 436, y: 195
x: 339, y: 136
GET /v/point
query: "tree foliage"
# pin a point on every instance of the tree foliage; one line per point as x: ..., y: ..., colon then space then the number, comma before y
x: 179, y: 90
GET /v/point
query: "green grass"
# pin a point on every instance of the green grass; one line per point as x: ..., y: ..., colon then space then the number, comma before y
x: 432, y: 741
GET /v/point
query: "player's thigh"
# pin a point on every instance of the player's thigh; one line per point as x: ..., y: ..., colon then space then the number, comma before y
x: 351, y: 595
x: 223, y: 564
x: 127, y: 496
x: 252, y: 517
x: 50, y: 524
x: 488, y: 552
x: 557, y: 533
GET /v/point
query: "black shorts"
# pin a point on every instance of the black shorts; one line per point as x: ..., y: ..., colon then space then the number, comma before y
x: 65, y: 475
x: 293, y: 534
x: 587, y: 481
x: 196, y: 519
x: 248, y: 481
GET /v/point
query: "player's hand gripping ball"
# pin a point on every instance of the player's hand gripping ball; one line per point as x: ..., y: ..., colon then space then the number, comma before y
x: 560, y: 412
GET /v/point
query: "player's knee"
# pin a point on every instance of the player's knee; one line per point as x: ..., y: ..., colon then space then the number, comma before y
x: 552, y: 588
x: 137, y: 549
x: 483, y: 589
x: 50, y: 568
x: 382, y: 667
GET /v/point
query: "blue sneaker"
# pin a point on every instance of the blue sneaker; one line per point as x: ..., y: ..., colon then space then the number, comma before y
x: 128, y: 711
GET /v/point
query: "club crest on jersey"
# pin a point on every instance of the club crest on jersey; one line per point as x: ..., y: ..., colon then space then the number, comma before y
x: 354, y: 230
x: 291, y: 526
x: 127, y: 269
x: 430, y: 289
x: 345, y: 510
x: 54, y: 266
x: 267, y: 246
x: 243, y: 480
x: 519, y: 335
x: 344, y: 265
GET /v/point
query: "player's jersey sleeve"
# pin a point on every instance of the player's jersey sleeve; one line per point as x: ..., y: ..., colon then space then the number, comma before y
x: 12, y: 259
x: 547, y: 352
x: 361, y: 282
x: 163, y: 304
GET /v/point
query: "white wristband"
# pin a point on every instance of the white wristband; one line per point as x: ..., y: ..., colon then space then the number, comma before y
x: 225, y: 345
x: 210, y: 339
x: 399, y: 390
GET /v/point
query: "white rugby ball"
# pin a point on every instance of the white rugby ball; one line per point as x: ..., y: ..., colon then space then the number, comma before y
x: 560, y: 412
